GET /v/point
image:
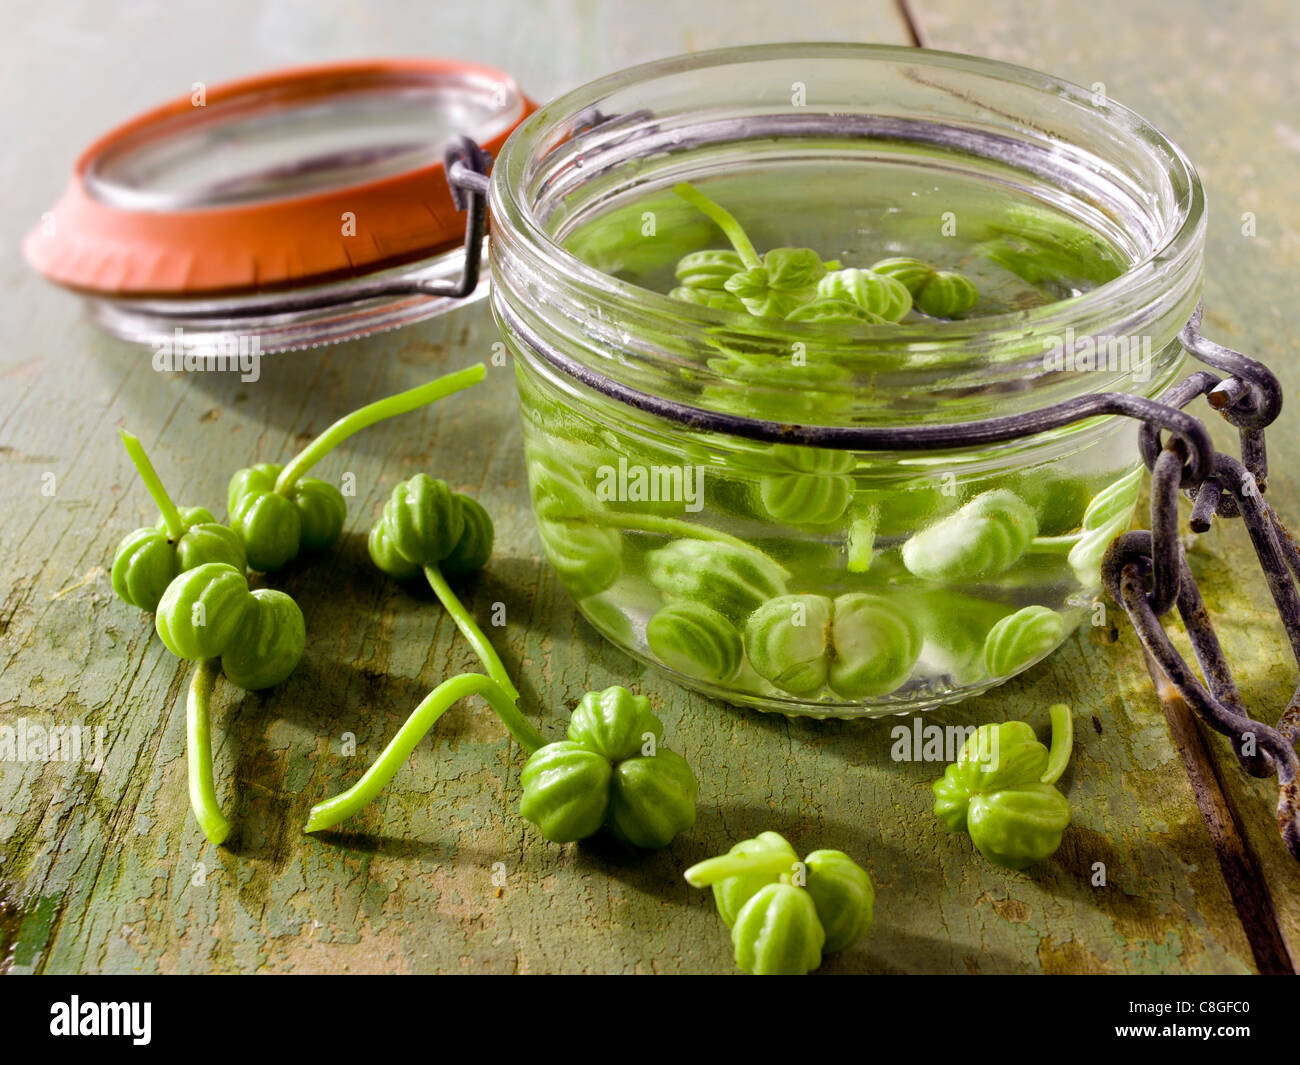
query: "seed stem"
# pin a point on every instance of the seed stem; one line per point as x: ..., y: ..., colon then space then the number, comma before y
x: 769, y: 863
x: 388, y: 407
x: 198, y: 752
x: 654, y: 523
x: 724, y: 220
x: 339, y: 808
x: 171, y: 516
x: 1058, y: 755
x: 487, y: 654
x: 1047, y: 545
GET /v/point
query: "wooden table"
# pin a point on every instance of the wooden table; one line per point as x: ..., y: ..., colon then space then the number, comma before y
x: 105, y: 870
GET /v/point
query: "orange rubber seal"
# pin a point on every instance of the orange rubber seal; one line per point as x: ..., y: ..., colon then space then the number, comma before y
x: 105, y: 249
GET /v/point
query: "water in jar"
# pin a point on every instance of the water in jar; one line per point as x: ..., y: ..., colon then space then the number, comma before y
x: 816, y: 580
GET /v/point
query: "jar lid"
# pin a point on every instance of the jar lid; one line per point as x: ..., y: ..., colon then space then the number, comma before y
x: 282, y: 180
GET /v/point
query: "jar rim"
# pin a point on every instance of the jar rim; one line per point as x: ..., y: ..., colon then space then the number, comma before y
x: 1143, y: 281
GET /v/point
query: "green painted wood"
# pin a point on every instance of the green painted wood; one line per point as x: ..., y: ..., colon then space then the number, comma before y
x: 1233, y: 110
x: 106, y: 871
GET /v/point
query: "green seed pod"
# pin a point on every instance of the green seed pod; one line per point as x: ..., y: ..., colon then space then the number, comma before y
x: 1022, y: 639
x: 565, y: 791
x: 614, y: 723
x: 696, y: 640
x: 778, y: 933
x: 875, y: 646
x: 143, y: 567
x: 271, y: 537
x: 884, y: 297
x: 652, y: 799
x: 270, y: 527
x: 996, y: 792
x: 379, y: 544
x: 844, y: 896
x: 251, y: 481
x: 1043, y: 248
x: 556, y: 492
x: 912, y: 274
x: 833, y: 312
x: 938, y: 293
x: 732, y: 580
x: 1019, y: 826
x: 708, y: 270
x: 787, y: 278
x: 424, y: 519
x: 148, y: 559
x: 210, y: 542
x: 1108, y: 515
x: 1005, y: 755
x: 787, y: 640
x: 768, y: 394
x: 202, y: 611
x: 322, y: 510
x: 984, y: 538
x: 802, y: 485
x: 731, y: 894
x: 191, y: 516
x: 705, y: 298
x: 269, y: 643
x: 702, y: 297
x: 947, y: 295
x: 801, y: 459
x: 805, y: 498
x: 474, y: 547
x: 587, y: 558
x: 610, y: 771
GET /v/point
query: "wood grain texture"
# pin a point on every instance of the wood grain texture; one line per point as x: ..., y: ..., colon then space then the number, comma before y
x: 106, y: 871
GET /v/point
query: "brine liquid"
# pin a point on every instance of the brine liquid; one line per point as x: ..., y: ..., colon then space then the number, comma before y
x: 837, y: 524
x: 1018, y: 250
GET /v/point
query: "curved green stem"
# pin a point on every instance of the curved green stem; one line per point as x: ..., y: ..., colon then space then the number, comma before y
x: 1044, y: 545
x: 330, y: 812
x: 170, y: 515
x: 389, y: 407
x: 198, y: 752
x: 1058, y: 755
x: 654, y: 523
x: 860, y: 544
x: 724, y: 220
x: 487, y: 654
x: 767, y: 863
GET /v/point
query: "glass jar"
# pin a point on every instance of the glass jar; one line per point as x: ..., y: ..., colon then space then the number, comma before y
x: 734, y: 500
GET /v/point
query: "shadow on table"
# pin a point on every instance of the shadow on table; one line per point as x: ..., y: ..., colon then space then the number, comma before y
x: 305, y: 387
x: 325, y: 697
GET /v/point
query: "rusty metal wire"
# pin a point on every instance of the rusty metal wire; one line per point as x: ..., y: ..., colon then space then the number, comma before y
x: 1147, y: 574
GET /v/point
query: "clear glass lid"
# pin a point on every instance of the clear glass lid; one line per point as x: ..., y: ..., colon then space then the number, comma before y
x: 299, y: 138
